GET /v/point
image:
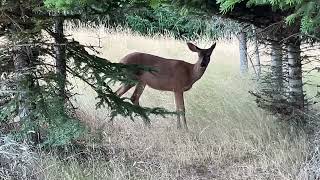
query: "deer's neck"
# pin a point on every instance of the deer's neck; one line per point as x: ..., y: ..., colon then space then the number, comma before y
x: 197, y: 71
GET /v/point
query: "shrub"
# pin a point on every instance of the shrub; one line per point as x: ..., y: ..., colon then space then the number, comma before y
x: 17, y: 161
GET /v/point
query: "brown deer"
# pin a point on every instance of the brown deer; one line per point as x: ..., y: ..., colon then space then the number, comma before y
x: 169, y: 75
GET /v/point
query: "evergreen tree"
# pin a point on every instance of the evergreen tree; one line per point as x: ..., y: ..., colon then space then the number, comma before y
x: 305, y: 11
x: 36, y: 83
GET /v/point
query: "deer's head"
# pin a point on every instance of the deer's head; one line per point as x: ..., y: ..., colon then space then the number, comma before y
x: 204, y: 54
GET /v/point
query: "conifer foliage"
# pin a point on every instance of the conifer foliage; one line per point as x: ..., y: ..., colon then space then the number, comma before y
x: 180, y: 22
x: 307, y: 12
x: 30, y: 84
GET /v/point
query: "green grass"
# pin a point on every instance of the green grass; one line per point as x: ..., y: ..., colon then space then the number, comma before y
x: 229, y: 138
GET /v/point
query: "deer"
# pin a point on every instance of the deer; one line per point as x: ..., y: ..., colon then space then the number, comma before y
x: 173, y: 75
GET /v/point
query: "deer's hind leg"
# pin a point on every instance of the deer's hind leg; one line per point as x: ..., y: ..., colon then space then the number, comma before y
x: 136, y: 96
x: 122, y: 90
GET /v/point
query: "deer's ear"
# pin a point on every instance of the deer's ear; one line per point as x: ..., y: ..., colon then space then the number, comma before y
x: 212, y: 48
x: 193, y: 47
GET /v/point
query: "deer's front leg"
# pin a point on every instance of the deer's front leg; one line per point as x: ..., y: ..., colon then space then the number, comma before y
x: 180, y: 109
x: 137, y: 93
x: 123, y: 89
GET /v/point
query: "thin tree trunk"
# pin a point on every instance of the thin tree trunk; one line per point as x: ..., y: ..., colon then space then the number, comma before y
x: 285, y: 70
x: 295, y: 76
x: 22, y: 58
x: 21, y: 65
x: 256, y: 51
x: 60, y: 57
x: 24, y: 80
x: 276, y: 68
x: 243, y: 53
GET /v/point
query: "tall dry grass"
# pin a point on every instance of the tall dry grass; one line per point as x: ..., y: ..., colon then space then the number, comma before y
x: 229, y: 138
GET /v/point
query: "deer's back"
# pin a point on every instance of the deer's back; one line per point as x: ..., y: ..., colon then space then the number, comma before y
x: 169, y: 75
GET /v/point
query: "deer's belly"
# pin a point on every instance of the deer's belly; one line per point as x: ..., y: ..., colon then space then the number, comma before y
x: 164, y: 83
x: 187, y: 88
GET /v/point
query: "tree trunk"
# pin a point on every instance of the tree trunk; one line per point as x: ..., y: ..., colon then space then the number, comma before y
x: 22, y: 57
x: 256, y: 51
x: 243, y: 53
x: 23, y: 61
x: 60, y: 51
x: 276, y: 68
x: 296, y: 96
x: 23, y: 82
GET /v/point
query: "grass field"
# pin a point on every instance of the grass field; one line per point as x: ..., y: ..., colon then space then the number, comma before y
x: 229, y: 138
